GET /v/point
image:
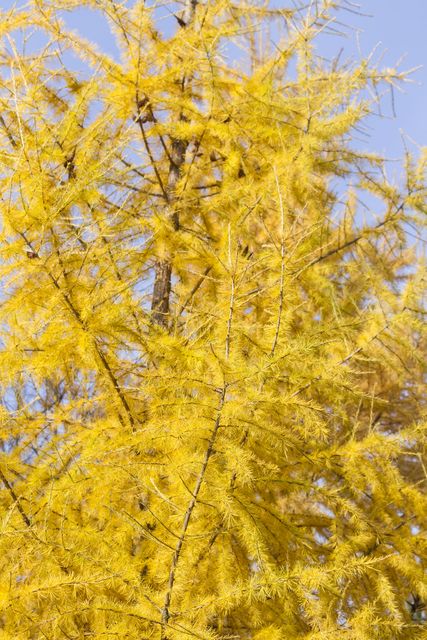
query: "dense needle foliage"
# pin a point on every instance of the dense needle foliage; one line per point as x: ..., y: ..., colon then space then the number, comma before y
x: 212, y: 353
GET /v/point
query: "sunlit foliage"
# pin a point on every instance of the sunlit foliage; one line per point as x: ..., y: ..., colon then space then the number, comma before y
x: 213, y: 332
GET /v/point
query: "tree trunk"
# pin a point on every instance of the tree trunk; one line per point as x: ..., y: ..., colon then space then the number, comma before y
x: 160, y: 301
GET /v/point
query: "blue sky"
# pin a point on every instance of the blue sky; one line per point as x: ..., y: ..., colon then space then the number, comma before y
x: 397, y: 27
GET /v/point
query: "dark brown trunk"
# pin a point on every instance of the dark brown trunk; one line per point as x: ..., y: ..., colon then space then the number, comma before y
x: 163, y: 268
x: 161, y: 292
x: 160, y: 301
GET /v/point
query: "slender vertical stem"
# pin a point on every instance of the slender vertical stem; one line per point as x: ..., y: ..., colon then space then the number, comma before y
x: 187, y: 517
x: 232, y: 296
x: 199, y: 482
x: 282, y: 265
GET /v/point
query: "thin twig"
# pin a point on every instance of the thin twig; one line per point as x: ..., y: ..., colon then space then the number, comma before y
x: 341, y: 362
x: 282, y: 265
x: 194, y: 290
x: 152, y: 160
x: 349, y: 243
x: 232, y: 294
x: 188, y: 514
x: 15, y: 499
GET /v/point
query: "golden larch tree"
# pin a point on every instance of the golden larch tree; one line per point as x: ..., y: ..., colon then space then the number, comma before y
x: 213, y: 332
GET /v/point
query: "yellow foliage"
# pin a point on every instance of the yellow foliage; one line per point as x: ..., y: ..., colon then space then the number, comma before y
x: 212, y: 361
